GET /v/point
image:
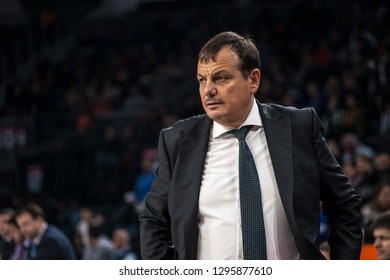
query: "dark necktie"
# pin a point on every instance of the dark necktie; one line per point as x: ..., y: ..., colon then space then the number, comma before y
x: 32, y: 251
x: 253, y: 231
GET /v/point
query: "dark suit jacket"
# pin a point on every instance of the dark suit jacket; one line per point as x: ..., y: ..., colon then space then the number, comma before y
x: 305, y: 169
x: 6, y: 249
x: 54, y: 245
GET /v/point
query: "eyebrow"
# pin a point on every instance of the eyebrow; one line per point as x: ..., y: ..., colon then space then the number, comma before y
x: 218, y: 72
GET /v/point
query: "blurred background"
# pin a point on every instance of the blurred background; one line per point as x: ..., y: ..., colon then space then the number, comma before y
x: 86, y: 86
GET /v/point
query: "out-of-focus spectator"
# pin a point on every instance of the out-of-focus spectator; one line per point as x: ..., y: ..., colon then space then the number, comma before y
x: 353, y: 147
x: 20, y: 250
x: 133, y: 200
x: 381, y: 233
x: 6, y: 243
x: 353, y: 115
x: 122, y: 245
x: 81, y: 237
x: 332, y: 117
x: 378, y: 204
x: 349, y: 169
x: 315, y: 98
x: 382, y: 165
x: 143, y: 181
x: 100, y: 246
x: 368, y: 177
x: 46, y: 242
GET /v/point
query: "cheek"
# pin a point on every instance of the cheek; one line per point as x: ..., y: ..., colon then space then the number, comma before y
x: 16, y: 236
x: 238, y: 99
x: 26, y: 229
x: 22, y: 230
x: 201, y: 93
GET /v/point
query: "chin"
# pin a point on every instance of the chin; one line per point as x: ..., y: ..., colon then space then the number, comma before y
x: 216, y: 118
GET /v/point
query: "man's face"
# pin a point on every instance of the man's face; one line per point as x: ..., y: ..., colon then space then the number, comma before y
x: 119, y: 238
x: 227, y: 96
x: 28, y: 226
x: 15, y: 234
x: 382, y: 243
x: 383, y: 198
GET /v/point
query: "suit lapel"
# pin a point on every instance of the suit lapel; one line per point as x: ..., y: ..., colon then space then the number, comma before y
x: 192, y: 154
x: 277, y: 127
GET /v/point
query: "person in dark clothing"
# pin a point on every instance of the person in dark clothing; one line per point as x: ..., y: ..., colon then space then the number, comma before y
x: 6, y: 243
x: 46, y: 242
x: 193, y: 208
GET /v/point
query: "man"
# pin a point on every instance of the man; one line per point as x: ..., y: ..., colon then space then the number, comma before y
x: 100, y: 246
x: 122, y: 244
x: 46, y: 241
x: 194, y: 207
x: 381, y: 233
x: 6, y: 243
x: 20, y: 251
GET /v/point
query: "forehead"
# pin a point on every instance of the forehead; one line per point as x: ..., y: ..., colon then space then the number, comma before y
x: 226, y: 59
x: 381, y: 232
x: 119, y: 234
x: 23, y: 217
x: 5, y: 215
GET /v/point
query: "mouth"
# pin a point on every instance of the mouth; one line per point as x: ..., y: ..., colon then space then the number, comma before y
x: 213, y: 103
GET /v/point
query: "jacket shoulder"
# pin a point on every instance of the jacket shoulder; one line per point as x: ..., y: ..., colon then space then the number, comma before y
x: 290, y: 109
x: 304, y: 115
x: 186, y: 125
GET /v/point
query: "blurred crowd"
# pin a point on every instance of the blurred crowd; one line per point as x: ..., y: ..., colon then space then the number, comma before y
x: 136, y: 75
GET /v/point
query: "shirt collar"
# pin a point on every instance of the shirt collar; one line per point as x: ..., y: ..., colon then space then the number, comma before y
x: 252, y: 119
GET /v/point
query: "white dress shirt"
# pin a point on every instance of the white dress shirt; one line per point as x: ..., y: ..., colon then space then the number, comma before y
x: 220, y: 235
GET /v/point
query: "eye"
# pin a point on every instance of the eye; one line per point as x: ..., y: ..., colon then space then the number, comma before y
x: 221, y: 78
x: 201, y: 80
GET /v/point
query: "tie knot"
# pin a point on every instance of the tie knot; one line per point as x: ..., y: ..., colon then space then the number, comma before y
x: 242, y: 132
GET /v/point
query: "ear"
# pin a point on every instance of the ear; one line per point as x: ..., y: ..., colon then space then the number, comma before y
x: 254, y: 78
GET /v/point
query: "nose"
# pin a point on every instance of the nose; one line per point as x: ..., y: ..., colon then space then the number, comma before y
x: 209, y: 89
x: 377, y: 243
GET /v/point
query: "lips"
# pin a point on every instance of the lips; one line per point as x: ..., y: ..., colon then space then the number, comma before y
x: 213, y: 102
